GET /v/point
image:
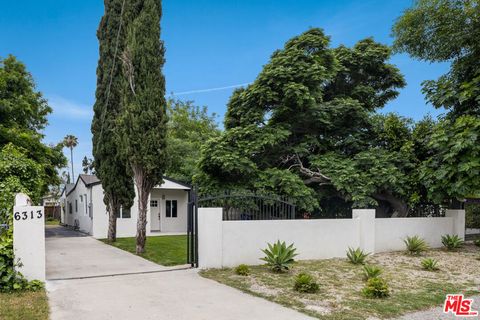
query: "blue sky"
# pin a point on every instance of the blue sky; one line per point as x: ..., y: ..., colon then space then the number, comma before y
x: 209, y: 44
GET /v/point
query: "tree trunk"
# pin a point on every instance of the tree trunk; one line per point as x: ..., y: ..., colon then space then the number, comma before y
x: 71, y: 162
x: 112, y: 220
x: 400, y: 206
x: 144, y: 187
x: 455, y: 204
x: 383, y: 210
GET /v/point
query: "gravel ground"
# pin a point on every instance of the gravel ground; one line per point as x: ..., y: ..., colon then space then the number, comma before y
x: 437, y: 313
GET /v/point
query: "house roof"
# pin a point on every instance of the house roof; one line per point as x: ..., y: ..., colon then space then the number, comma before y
x: 67, y: 188
x: 169, y: 183
x: 91, y: 180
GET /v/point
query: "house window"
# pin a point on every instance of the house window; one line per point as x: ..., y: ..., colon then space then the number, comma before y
x: 124, y: 213
x: 70, y: 210
x: 154, y: 203
x: 76, y: 205
x: 86, y: 204
x: 171, y: 208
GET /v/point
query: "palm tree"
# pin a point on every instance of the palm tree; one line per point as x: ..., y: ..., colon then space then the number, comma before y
x: 70, y: 141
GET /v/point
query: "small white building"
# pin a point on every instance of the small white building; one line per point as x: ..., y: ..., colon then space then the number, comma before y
x: 83, y: 207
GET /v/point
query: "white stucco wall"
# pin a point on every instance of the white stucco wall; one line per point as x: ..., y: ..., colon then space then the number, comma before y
x: 314, y: 239
x: 230, y: 243
x: 390, y: 232
x: 127, y: 227
x: 171, y: 224
x: 82, y: 213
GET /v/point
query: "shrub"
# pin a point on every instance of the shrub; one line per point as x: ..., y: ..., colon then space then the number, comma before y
x: 477, y: 242
x: 452, y: 242
x: 430, y: 264
x: 370, y: 272
x: 242, y: 270
x: 305, y: 283
x: 356, y: 256
x: 415, y: 245
x: 376, y: 288
x: 279, y: 256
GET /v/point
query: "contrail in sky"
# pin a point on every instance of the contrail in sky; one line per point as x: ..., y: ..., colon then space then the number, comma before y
x: 210, y: 89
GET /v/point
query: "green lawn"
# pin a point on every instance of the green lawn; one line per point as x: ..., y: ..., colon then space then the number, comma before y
x: 52, y: 222
x: 341, y: 283
x: 24, y: 305
x: 164, y: 250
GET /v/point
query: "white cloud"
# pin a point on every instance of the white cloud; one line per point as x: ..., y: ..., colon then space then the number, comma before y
x: 63, y: 108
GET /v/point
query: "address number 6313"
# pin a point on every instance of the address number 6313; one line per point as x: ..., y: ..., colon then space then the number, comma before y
x: 24, y: 215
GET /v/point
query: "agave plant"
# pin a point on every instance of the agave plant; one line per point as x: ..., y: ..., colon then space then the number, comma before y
x: 279, y: 256
x: 452, y: 242
x: 430, y: 264
x: 356, y: 256
x: 415, y: 245
x: 371, y: 272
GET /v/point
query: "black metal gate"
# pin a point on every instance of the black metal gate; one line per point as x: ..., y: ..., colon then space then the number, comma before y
x: 236, y: 206
x: 250, y: 206
x: 192, y: 229
x: 472, y: 219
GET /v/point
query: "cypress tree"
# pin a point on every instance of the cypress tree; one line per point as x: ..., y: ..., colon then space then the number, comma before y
x: 110, y: 165
x: 143, y: 120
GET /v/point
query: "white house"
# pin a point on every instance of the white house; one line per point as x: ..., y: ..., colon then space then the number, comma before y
x: 83, y: 207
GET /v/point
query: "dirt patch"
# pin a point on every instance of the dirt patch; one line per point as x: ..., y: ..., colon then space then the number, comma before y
x: 341, y: 282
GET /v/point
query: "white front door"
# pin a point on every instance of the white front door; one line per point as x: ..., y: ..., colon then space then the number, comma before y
x: 155, y: 214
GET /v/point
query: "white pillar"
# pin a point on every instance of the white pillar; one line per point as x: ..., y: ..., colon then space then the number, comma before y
x: 210, y: 236
x: 29, y: 238
x: 458, y: 216
x: 366, y: 219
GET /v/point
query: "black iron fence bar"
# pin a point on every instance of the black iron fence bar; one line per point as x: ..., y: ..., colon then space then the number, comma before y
x: 209, y: 198
x: 196, y: 235
x: 192, y: 235
x: 189, y: 258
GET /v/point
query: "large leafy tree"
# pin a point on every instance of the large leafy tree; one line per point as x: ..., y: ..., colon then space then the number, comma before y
x: 448, y: 31
x: 143, y: 120
x: 445, y: 31
x: 189, y: 127
x: 23, y: 116
x: 110, y: 163
x: 18, y: 173
x: 26, y: 164
x: 452, y: 171
x: 306, y: 128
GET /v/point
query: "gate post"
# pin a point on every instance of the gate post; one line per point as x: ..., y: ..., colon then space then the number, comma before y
x: 210, y: 237
x: 366, y: 230
x: 29, y: 238
x: 458, y: 216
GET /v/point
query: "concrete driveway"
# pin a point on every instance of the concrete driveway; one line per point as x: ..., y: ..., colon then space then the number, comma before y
x: 71, y: 254
x: 91, y: 280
